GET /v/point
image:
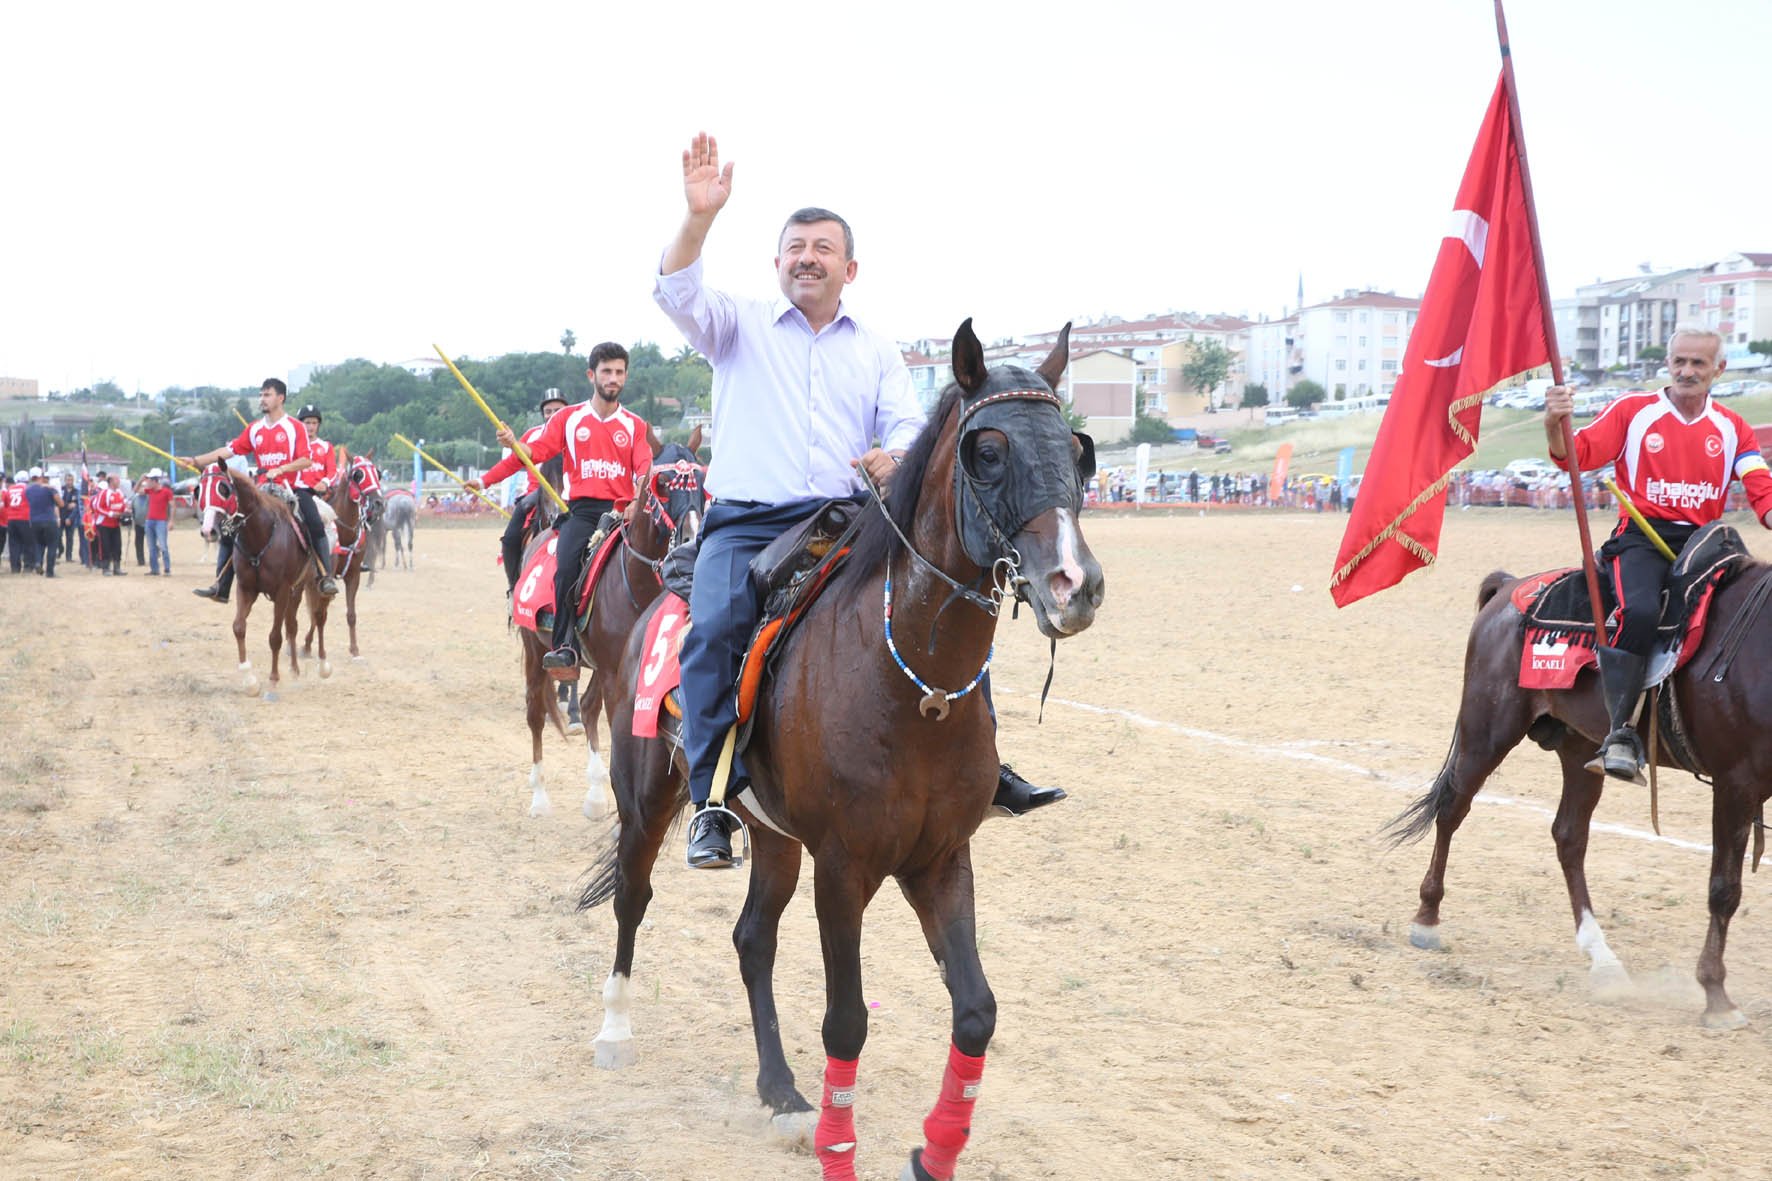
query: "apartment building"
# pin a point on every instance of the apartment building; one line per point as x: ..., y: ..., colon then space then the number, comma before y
x: 1352, y: 346
x: 1736, y: 300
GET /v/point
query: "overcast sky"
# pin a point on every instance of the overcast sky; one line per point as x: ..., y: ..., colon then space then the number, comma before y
x: 211, y: 194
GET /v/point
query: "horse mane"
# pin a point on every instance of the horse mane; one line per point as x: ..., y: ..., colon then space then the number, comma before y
x: 874, y: 537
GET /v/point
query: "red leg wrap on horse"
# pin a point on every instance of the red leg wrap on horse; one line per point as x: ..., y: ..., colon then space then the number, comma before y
x: 950, y: 1123
x: 834, y: 1139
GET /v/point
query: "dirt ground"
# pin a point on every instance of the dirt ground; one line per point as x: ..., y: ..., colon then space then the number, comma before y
x: 323, y: 937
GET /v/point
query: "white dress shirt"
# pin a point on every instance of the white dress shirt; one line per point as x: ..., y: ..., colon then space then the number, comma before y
x: 792, y: 407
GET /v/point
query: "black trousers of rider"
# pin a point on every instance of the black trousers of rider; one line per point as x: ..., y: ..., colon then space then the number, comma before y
x: 224, y: 564
x: 1639, y: 574
x: 310, y: 517
x: 141, y: 539
x: 512, y: 541
x: 569, y: 560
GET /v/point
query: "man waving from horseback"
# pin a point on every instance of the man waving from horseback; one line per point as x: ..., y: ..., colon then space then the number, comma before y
x: 804, y: 399
x: 1676, y: 452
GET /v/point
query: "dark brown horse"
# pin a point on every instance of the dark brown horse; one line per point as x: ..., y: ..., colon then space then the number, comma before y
x: 879, y: 777
x: 667, y: 513
x: 269, y: 560
x: 1724, y: 716
x: 353, y: 500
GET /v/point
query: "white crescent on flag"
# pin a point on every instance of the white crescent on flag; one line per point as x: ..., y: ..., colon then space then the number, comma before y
x: 1473, y: 231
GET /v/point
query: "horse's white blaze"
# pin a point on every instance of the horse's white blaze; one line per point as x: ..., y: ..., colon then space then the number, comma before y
x: 1590, y: 939
x: 618, y: 997
x: 1068, y: 562
x: 538, y: 798
x: 597, y: 783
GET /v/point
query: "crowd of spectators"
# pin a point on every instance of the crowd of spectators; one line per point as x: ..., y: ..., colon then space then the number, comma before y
x: 50, y: 523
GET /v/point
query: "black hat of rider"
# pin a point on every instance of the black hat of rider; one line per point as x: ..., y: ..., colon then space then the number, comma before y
x: 310, y: 411
x: 552, y: 395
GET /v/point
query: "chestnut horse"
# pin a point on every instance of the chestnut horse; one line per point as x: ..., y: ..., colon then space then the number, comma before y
x: 1724, y: 713
x: 668, y: 513
x: 874, y: 775
x: 270, y: 559
x: 355, y: 501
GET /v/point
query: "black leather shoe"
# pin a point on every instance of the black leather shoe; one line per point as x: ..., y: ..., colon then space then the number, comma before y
x: 710, y: 840
x: 213, y: 591
x: 560, y: 658
x: 1016, y: 796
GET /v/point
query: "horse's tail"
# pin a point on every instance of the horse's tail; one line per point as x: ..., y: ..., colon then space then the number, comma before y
x: 1491, y: 586
x: 1412, y: 823
x: 605, y: 873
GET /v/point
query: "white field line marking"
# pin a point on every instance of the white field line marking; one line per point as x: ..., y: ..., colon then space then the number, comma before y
x: 1394, y: 782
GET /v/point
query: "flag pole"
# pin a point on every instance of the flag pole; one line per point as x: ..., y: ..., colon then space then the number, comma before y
x: 1550, y: 331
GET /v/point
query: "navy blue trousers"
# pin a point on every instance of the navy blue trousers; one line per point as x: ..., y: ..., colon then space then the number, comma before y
x: 725, y: 609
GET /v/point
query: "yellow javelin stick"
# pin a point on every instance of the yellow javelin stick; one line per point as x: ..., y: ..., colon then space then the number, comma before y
x: 144, y: 443
x: 1642, y: 522
x: 451, y: 475
x: 240, y: 416
x: 516, y: 446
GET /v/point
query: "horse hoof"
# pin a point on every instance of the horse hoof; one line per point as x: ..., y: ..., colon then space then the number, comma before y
x: 575, y: 728
x: 794, y: 1128
x: 1426, y: 938
x: 1608, y: 983
x: 615, y: 1055
x: 594, y: 806
x: 325, y: 669
x: 270, y: 697
x: 356, y: 660
x: 913, y: 1168
x: 1730, y: 1018
x: 539, y: 808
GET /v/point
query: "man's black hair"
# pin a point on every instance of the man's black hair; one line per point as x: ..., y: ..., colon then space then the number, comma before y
x: 607, y: 351
x: 274, y: 383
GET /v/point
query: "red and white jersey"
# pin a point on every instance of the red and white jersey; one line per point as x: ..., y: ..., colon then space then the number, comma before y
x: 17, y: 507
x: 108, y: 506
x: 1672, y: 469
x: 507, y: 467
x: 606, y: 458
x: 325, y: 464
x: 272, y: 444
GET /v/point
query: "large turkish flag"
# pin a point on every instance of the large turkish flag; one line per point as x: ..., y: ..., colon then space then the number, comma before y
x: 1481, y: 322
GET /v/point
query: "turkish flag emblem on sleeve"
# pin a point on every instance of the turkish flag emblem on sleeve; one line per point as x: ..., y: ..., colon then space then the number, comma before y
x: 1481, y: 322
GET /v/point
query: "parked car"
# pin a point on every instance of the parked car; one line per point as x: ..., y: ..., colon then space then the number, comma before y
x: 1729, y: 389
x: 1222, y: 447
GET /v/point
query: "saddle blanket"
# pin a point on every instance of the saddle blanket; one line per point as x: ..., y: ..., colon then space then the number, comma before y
x: 535, y: 588
x: 1552, y: 655
x: 660, y: 672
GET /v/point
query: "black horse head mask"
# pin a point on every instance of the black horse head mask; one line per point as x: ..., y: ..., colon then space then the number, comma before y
x: 1017, y: 455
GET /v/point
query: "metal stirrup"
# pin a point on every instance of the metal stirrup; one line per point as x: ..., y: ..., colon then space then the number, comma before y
x: 737, y: 823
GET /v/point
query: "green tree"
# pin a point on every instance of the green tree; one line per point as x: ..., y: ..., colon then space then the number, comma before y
x: 1254, y: 396
x: 1653, y: 354
x: 1762, y: 348
x: 1208, y: 364
x: 1305, y: 394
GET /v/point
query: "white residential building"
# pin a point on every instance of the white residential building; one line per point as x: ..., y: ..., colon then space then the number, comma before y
x: 1737, y: 301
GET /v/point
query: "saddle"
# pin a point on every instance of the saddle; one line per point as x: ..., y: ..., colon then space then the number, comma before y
x: 788, y: 573
x: 1558, y: 639
x: 328, y: 517
x: 539, y: 595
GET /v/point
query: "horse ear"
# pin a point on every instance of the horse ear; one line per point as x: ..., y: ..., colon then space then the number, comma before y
x: 370, y: 455
x: 656, y: 443
x: 968, y: 358
x: 695, y: 440
x: 1052, y: 368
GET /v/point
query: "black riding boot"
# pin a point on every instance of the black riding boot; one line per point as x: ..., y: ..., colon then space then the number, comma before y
x: 1016, y: 795
x: 316, y: 528
x: 1621, y: 680
x: 710, y: 838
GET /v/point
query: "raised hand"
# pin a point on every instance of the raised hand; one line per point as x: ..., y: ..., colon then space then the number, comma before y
x: 705, y: 185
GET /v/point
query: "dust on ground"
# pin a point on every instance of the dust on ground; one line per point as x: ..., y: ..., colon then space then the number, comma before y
x: 322, y: 936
